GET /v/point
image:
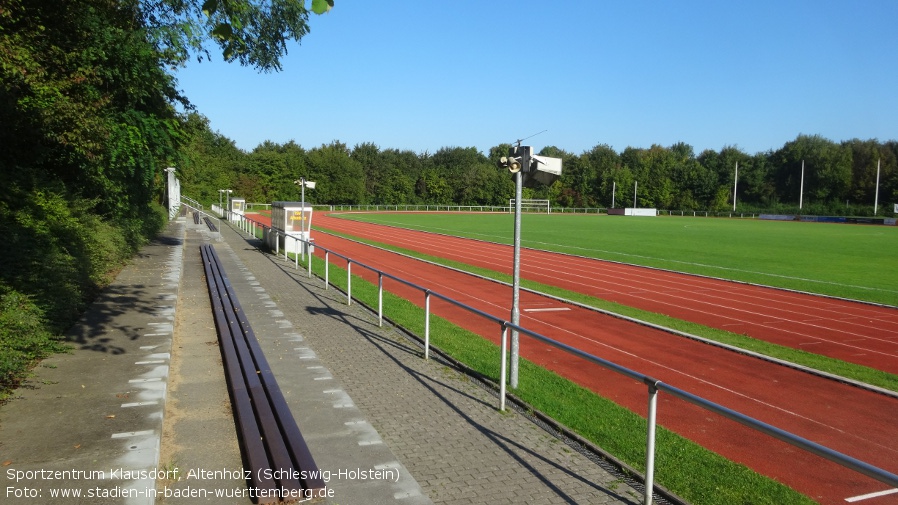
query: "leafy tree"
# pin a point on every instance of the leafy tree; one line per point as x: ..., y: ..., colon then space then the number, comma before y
x: 340, y: 179
x: 253, y: 32
x: 827, y: 176
x: 210, y: 161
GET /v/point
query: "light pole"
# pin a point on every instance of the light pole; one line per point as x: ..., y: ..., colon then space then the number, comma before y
x: 735, y: 184
x: 516, y: 278
x: 220, y: 207
x: 537, y: 170
x: 303, y: 183
x: 876, y: 195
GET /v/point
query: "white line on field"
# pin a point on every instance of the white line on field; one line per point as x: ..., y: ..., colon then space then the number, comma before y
x: 871, y: 495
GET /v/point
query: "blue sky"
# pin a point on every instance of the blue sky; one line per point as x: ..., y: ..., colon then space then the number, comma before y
x: 422, y: 74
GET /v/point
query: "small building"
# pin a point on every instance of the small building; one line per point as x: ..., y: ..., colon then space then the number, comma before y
x: 290, y: 221
x: 237, y: 208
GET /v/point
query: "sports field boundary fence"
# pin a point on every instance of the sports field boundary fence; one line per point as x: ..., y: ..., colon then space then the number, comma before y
x: 510, y: 208
x: 653, y: 386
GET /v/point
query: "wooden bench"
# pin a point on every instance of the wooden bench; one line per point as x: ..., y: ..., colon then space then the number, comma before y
x: 210, y: 224
x: 281, y: 465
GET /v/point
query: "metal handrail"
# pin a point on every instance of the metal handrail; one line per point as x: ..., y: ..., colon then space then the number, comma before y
x: 653, y: 385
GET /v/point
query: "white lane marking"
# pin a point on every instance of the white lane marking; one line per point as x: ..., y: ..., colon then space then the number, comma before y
x: 129, y: 434
x: 550, y: 309
x: 138, y: 404
x: 871, y: 495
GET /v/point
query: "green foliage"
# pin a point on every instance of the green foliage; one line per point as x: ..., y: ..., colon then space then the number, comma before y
x: 24, y: 337
x: 252, y: 32
x: 669, y: 178
x: 88, y: 119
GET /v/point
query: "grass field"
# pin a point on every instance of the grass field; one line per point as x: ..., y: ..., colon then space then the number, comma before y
x: 850, y: 261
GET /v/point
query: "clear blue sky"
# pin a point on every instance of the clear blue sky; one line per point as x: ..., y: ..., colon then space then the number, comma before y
x: 424, y: 74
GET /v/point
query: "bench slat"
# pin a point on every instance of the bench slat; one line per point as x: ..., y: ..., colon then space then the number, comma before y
x: 272, y: 439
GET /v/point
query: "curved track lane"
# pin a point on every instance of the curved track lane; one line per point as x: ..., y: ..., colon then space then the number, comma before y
x: 855, y: 332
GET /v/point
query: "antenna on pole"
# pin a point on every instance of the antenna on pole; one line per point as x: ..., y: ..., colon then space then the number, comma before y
x: 518, y: 142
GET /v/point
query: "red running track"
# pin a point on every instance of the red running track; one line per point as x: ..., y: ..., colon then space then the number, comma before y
x: 847, y: 419
x: 850, y: 331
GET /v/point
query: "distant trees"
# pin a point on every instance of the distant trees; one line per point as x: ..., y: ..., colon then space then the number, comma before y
x: 672, y: 178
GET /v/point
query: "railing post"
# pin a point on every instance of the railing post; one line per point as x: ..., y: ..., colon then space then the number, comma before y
x: 650, y: 440
x: 309, y: 264
x: 296, y: 256
x: 327, y: 269
x: 348, y: 282
x: 502, y: 367
x: 427, y: 325
x: 380, y: 299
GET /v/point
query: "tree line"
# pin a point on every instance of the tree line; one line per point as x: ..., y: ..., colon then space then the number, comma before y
x: 839, y: 178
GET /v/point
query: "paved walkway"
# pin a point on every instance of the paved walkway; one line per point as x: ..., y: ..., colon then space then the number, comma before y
x: 365, y: 400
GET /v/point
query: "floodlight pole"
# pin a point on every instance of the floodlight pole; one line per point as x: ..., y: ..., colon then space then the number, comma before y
x: 735, y: 183
x: 516, y: 279
x: 876, y: 196
x: 801, y: 188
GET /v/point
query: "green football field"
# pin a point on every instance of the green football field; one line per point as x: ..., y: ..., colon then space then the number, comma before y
x: 851, y: 261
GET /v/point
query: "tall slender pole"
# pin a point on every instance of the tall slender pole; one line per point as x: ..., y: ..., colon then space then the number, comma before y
x: 516, y: 279
x: 613, y: 190
x: 876, y: 197
x: 801, y: 188
x: 635, y: 185
x: 735, y: 183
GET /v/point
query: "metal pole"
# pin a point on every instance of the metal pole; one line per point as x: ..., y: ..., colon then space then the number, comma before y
x: 876, y: 197
x: 309, y: 264
x: 735, y: 183
x: 516, y: 279
x: 650, y: 443
x: 427, y: 325
x: 502, y: 367
x: 380, y: 299
x: 327, y: 269
x: 801, y: 187
x: 613, y: 191
x: 348, y: 282
x: 635, y: 187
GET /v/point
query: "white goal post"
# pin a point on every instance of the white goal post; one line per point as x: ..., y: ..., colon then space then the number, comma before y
x: 531, y: 205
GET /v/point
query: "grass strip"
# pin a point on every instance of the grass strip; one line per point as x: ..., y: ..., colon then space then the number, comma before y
x: 826, y: 364
x: 687, y: 469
